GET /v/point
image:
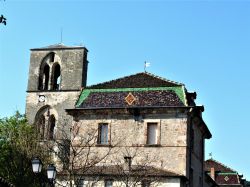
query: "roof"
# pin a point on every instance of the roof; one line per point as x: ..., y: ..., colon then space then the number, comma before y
x: 118, y: 170
x: 58, y: 47
x: 211, y: 163
x: 143, y: 97
x: 144, y: 90
x: 209, y: 180
x: 224, y: 175
x: 139, y: 80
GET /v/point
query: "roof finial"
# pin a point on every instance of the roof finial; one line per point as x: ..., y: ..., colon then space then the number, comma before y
x: 146, y: 64
x: 210, y: 155
x: 61, y: 34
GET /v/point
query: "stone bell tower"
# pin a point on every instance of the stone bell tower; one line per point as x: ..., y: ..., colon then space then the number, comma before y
x: 57, y: 74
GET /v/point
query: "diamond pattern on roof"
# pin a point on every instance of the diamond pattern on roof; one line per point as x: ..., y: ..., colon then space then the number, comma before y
x: 130, y: 98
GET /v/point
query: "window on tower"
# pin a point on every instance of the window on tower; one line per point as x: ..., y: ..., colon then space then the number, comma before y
x: 46, y: 123
x: 44, y: 77
x: 50, y: 73
x: 56, y: 77
x: 41, y: 126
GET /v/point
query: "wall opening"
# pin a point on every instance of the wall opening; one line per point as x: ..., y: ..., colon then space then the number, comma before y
x: 41, y: 126
x: 52, y: 123
x: 44, y: 77
x: 52, y: 57
x: 56, y: 77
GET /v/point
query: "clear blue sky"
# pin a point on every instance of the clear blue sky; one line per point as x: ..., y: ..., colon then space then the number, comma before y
x: 203, y: 44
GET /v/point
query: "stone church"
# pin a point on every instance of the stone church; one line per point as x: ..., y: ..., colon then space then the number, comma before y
x: 142, y: 129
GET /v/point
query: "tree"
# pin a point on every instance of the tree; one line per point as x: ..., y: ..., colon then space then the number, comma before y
x: 80, y: 160
x: 18, y: 145
x: 75, y: 154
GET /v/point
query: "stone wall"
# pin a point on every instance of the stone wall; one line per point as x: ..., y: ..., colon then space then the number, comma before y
x: 73, y: 68
x: 55, y: 101
x: 129, y: 137
x: 100, y: 182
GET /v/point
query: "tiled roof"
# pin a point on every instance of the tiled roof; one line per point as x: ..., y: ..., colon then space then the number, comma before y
x: 147, y: 90
x: 211, y: 163
x: 139, y: 80
x: 117, y: 170
x: 209, y: 180
x: 224, y: 179
x: 143, y: 97
x: 58, y: 46
x: 223, y: 174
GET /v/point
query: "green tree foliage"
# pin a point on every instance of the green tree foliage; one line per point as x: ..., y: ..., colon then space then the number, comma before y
x: 18, y: 145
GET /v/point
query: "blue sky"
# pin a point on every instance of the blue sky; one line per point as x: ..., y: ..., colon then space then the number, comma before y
x: 203, y: 44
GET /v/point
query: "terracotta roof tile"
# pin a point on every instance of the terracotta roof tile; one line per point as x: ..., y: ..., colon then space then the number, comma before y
x: 142, y: 99
x: 117, y: 170
x: 223, y: 174
x: 139, y: 80
x: 217, y: 166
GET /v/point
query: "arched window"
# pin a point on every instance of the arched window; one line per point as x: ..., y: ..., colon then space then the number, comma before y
x: 51, y: 128
x: 44, y: 77
x: 46, y: 121
x: 41, y: 126
x: 50, y: 79
x: 52, y: 57
x: 56, y: 77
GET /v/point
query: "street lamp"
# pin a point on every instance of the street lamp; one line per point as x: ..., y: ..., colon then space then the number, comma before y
x: 37, y: 169
x: 36, y: 165
x: 51, y: 172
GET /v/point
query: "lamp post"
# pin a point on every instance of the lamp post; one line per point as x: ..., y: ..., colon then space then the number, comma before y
x: 37, y: 169
x: 51, y: 173
x: 36, y: 165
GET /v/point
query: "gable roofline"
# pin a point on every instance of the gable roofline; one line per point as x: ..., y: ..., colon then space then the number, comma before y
x: 59, y: 46
x: 213, y: 160
x: 133, y: 75
x: 164, y: 79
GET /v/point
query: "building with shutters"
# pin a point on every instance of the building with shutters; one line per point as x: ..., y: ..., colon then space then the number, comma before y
x: 148, y: 129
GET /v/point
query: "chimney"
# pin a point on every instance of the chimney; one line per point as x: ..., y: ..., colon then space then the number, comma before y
x: 127, y: 164
x: 212, y: 173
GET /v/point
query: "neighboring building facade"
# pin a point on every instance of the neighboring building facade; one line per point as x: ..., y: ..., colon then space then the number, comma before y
x: 143, y: 126
x: 223, y: 175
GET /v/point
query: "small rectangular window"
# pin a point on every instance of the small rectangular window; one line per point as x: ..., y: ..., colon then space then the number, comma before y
x: 145, y: 183
x: 80, y: 183
x: 152, y: 133
x: 103, y: 137
x: 108, y: 183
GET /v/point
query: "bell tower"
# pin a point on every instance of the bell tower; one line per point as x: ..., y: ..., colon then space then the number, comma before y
x: 57, y: 74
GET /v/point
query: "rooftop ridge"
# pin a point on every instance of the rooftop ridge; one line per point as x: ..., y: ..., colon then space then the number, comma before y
x: 134, y: 76
x: 162, y: 78
x: 211, y: 159
x: 58, y: 46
